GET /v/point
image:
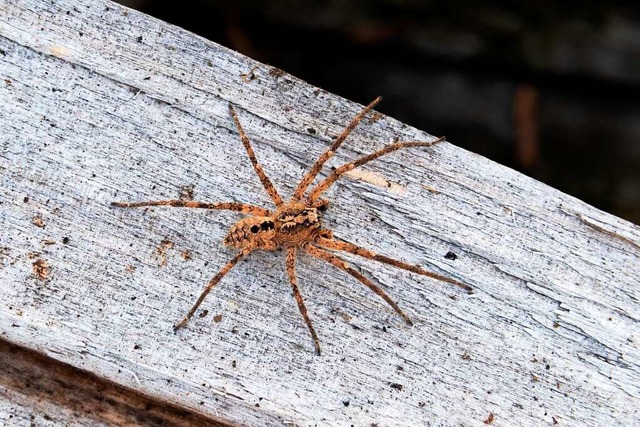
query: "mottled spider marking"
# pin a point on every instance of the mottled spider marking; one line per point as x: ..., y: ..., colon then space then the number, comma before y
x: 256, y: 232
x: 296, y: 222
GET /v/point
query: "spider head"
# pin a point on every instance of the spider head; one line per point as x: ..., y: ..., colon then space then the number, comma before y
x: 296, y: 222
x: 252, y: 232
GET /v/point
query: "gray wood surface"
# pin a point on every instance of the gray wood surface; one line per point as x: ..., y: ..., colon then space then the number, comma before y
x: 101, y: 103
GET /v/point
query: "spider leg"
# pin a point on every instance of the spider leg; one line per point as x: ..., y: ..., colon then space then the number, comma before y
x: 333, y: 177
x: 213, y: 282
x: 308, y: 178
x: 231, y: 206
x: 291, y: 271
x: 340, y: 245
x: 342, y: 264
x: 266, y: 183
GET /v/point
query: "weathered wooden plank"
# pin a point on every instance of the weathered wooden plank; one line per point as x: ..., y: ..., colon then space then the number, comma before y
x: 100, y: 103
x: 38, y: 390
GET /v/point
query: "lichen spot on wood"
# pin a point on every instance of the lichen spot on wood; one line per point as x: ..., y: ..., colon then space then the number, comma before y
x: 41, y: 269
x: 38, y: 221
x: 161, y: 251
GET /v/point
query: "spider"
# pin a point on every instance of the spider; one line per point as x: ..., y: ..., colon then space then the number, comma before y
x: 296, y: 225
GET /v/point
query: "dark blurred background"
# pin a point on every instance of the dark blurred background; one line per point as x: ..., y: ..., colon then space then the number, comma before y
x: 548, y: 88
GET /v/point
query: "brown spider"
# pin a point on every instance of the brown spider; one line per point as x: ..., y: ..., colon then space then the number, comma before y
x: 296, y: 224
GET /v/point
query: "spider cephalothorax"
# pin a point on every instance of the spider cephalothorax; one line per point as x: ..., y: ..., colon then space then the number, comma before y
x: 296, y: 224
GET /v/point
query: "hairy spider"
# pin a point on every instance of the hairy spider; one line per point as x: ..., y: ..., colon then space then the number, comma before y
x: 296, y: 224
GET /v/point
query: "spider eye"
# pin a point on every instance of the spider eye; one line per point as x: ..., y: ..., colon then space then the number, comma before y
x: 255, y: 229
x: 322, y: 208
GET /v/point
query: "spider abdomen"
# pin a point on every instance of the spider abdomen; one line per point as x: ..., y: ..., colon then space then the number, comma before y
x: 256, y: 232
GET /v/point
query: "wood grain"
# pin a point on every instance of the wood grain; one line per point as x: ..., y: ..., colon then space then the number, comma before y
x: 99, y: 103
x: 54, y: 393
